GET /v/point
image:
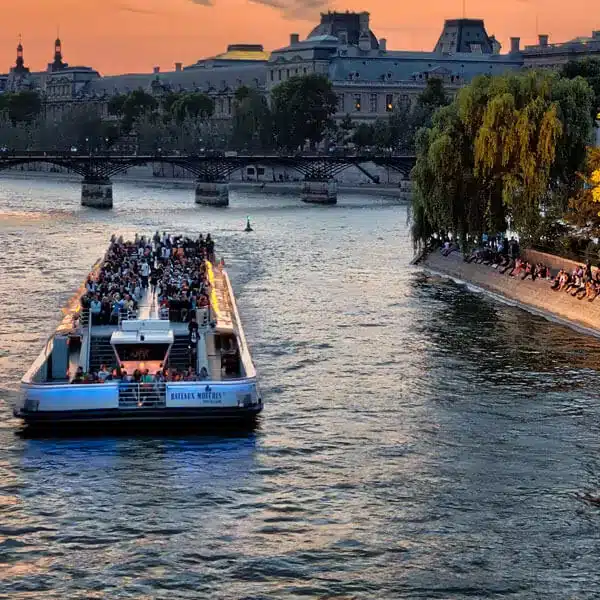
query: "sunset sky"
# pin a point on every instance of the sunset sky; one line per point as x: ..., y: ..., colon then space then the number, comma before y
x: 117, y: 36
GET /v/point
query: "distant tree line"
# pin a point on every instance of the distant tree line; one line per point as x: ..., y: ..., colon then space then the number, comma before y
x: 300, y: 114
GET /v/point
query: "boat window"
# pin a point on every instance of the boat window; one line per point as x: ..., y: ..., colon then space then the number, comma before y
x: 141, y: 352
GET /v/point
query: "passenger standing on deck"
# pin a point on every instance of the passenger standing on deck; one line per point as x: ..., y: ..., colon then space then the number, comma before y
x: 193, y: 328
x: 145, y: 272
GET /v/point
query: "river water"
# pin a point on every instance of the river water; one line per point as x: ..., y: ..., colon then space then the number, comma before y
x: 419, y: 440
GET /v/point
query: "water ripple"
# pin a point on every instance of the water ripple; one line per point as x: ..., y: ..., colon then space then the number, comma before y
x: 419, y: 441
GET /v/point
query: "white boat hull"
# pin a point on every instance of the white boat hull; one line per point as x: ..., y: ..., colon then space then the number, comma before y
x: 187, y: 401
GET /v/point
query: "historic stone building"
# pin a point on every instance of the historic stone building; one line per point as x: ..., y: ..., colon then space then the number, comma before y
x: 554, y: 56
x: 62, y: 86
x: 219, y: 77
x: 369, y: 79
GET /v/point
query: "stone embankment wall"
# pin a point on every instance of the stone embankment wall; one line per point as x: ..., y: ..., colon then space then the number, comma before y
x: 532, y: 295
x: 556, y: 263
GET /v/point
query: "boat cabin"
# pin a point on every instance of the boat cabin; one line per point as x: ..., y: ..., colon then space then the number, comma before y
x: 141, y: 345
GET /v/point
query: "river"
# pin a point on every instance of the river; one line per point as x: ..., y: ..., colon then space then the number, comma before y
x: 418, y: 440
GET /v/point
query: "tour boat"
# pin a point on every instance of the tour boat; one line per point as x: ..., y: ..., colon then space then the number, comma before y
x: 226, y: 392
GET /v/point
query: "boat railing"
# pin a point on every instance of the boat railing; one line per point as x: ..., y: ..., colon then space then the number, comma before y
x: 142, y: 395
x: 84, y: 318
x: 127, y: 315
x: 37, y: 371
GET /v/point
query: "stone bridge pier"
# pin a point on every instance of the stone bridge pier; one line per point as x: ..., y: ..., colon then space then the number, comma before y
x: 319, y: 191
x: 96, y: 192
x: 212, y: 193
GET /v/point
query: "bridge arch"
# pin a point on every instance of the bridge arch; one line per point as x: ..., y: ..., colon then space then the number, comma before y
x: 64, y: 163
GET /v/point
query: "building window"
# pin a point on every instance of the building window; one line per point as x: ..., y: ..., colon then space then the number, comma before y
x: 357, y: 103
x: 373, y: 103
x: 279, y: 75
x: 305, y: 70
x: 229, y: 105
x: 389, y: 102
x: 340, y: 102
x: 272, y: 75
x: 287, y: 73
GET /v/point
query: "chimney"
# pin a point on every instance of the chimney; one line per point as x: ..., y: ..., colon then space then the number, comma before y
x: 363, y: 22
x: 178, y: 67
x: 383, y: 45
x: 543, y: 40
x: 294, y: 38
x: 156, y: 70
x: 515, y: 45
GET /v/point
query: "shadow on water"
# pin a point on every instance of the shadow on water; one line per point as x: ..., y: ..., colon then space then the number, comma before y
x: 500, y: 337
x: 243, y: 429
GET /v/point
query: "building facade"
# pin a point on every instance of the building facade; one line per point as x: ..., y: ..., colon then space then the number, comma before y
x: 369, y: 79
x: 554, y: 56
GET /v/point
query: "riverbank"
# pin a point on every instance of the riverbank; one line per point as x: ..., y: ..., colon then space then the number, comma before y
x: 290, y: 187
x: 534, y: 296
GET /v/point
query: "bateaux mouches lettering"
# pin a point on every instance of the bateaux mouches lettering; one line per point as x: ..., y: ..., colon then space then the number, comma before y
x: 215, y: 397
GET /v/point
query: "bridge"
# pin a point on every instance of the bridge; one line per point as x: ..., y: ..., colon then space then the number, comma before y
x: 212, y: 171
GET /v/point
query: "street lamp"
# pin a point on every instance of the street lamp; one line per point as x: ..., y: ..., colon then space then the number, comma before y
x: 87, y: 145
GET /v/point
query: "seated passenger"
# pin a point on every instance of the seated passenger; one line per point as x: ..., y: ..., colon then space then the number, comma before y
x: 103, y: 373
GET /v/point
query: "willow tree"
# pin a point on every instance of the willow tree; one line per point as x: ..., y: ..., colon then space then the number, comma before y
x: 512, y: 145
x: 445, y: 197
x: 515, y: 147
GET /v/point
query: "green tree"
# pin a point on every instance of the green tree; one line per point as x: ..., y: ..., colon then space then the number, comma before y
x: 131, y: 106
x: 252, y: 121
x: 428, y: 101
x: 302, y: 110
x: 383, y: 134
x: 589, y: 69
x: 195, y: 105
x: 364, y: 135
x: 21, y: 107
x: 502, y: 151
x: 583, y: 211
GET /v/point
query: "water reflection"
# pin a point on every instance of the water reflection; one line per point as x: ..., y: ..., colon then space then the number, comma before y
x: 419, y: 440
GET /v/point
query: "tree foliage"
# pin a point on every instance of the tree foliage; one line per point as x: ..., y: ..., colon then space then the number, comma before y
x: 21, y: 107
x: 503, y: 153
x: 589, y: 69
x: 252, y: 121
x: 584, y: 207
x: 302, y: 110
x: 194, y: 105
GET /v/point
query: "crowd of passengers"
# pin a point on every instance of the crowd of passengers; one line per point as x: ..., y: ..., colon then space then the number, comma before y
x: 504, y: 255
x: 172, y: 266
x: 120, y: 375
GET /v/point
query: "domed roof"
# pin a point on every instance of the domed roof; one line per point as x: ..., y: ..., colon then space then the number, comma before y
x: 244, y: 52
